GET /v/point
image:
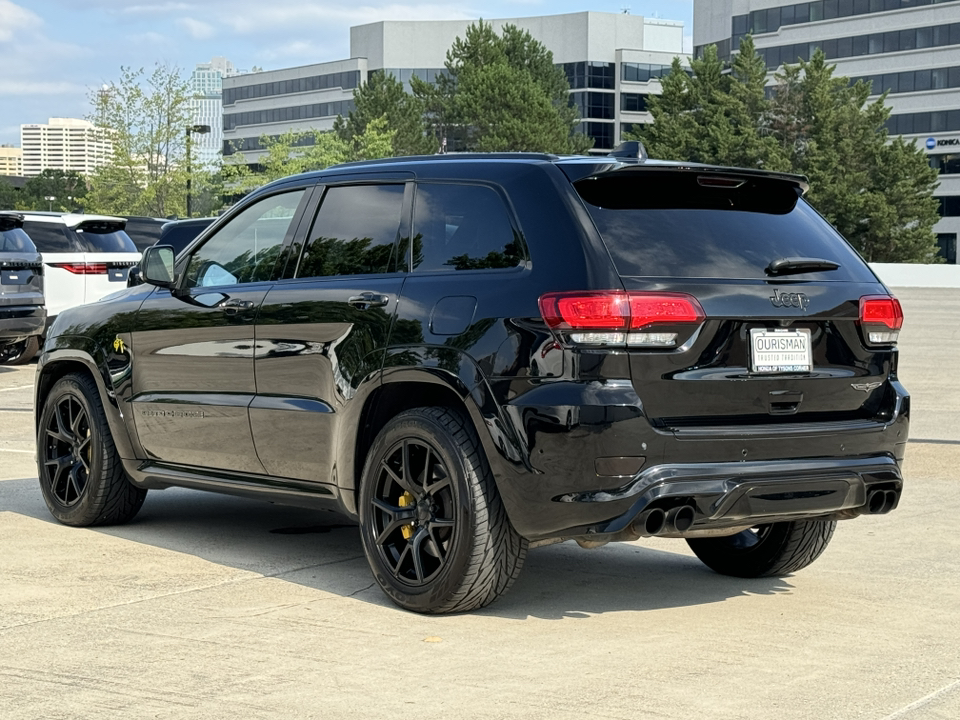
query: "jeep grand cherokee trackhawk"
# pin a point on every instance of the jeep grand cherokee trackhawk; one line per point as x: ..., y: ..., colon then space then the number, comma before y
x: 471, y: 354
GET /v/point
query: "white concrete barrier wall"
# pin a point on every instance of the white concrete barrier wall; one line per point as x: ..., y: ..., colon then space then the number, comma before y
x: 914, y: 275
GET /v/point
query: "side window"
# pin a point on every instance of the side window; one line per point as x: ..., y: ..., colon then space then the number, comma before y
x: 355, y: 232
x: 247, y: 247
x: 462, y: 227
x: 50, y: 238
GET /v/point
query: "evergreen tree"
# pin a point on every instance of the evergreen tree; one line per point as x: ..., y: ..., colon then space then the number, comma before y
x: 877, y: 193
x: 501, y: 93
x: 9, y: 197
x: 383, y: 96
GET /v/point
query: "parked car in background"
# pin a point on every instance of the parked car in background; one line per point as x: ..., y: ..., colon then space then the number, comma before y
x: 22, y: 314
x: 85, y: 257
x: 177, y: 234
x: 144, y: 231
x: 470, y: 354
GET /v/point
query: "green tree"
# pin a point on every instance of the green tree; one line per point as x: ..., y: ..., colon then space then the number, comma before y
x: 297, y: 152
x: 146, y: 119
x: 878, y: 193
x: 67, y: 188
x: 383, y: 96
x: 9, y: 197
x: 713, y: 116
x: 501, y: 93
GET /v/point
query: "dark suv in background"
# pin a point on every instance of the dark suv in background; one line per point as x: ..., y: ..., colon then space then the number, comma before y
x: 22, y: 312
x: 471, y: 354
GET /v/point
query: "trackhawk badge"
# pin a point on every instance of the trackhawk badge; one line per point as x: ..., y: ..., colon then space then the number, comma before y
x: 797, y: 300
x: 866, y: 387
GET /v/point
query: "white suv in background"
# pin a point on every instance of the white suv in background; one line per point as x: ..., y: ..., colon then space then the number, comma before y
x: 86, y: 257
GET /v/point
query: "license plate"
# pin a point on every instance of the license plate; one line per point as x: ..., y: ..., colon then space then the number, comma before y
x: 117, y: 274
x: 780, y: 351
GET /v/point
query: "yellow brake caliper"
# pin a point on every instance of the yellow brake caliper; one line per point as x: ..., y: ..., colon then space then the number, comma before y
x: 406, y: 500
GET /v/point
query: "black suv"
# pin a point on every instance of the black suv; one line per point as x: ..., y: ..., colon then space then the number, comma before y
x: 473, y: 354
x: 22, y: 312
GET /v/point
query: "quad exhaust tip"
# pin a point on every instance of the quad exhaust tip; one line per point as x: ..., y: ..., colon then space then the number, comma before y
x: 880, y: 502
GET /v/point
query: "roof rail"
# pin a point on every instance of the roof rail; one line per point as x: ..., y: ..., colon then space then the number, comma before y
x: 545, y: 157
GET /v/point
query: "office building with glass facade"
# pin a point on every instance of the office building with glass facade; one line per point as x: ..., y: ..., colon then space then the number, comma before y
x: 910, y: 48
x: 613, y: 63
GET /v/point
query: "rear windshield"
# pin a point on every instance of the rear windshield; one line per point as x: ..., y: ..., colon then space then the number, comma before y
x: 675, y: 225
x: 51, y: 237
x: 16, y: 240
x: 94, y: 240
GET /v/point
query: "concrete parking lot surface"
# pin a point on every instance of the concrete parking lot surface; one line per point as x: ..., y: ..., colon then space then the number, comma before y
x: 215, y: 607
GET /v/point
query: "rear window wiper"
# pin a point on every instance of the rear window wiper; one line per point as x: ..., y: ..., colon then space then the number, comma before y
x: 795, y: 265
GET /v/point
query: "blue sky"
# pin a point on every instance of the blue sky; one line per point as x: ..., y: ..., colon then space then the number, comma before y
x: 53, y: 53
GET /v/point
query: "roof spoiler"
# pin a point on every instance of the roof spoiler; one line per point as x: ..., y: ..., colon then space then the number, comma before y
x: 10, y: 220
x: 632, y: 149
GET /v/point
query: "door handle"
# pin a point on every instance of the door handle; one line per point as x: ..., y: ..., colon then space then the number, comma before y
x: 233, y: 306
x: 368, y: 300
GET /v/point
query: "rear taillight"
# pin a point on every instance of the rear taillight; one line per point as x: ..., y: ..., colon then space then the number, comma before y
x: 881, y: 318
x: 615, y: 317
x: 83, y: 268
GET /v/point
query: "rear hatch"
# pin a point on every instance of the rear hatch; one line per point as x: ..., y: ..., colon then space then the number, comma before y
x: 109, y: 253
x: 21, y: 269
x: 747, y: 307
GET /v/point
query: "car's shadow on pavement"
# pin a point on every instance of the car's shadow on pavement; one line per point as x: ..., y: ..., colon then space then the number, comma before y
x: 322, y: 551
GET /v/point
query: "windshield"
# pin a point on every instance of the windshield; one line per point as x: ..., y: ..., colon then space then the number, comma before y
x: 16, y: 240
x: 680, y: 225
x: 117, y: 241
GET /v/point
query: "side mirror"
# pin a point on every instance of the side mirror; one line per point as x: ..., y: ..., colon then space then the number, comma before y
x: 156, y: 266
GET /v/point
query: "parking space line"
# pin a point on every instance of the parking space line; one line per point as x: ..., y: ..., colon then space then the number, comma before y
x: 28, y: 452
x: 923, y: 701
x: 18, y: 387
x: 932, y: 441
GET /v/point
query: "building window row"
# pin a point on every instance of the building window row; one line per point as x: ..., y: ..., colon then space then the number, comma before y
x: 601, y: 132
x: 872, y: 44
x: 772, y: 19
x: 591, y: 75
x: 913, y: 80
x: 404, y: 75
x: 633, y: 102
x: 642, y: 72
x: 287, y: 114
x: 346, y: 80
x: 946, y: 164
x: 251, y: 144
x: 594, y: 104
x: 924, y: 122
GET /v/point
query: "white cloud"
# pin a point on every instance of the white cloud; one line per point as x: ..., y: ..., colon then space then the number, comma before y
x: 15, y: 19
x: 197, y: 29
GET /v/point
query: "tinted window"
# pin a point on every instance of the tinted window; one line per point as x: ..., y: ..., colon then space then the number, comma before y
x: 462, y: 227
x: 247, y: 247
x: 355, y: 232
x: 51, y: 238
x: 15, y: 240
x: 96, y: 240
x: 671, y: 226
x: 179, y: 236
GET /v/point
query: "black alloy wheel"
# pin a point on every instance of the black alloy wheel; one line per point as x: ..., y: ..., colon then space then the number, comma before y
x: 81, y: 475
x: 765, y: 550
x: 433, y: 526
x: 413, y: 512
x: 67, y: 450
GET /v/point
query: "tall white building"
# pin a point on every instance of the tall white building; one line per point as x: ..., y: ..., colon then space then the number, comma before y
x: 11, y: 160
x: 64, y: 144
x: 613, y: 63
x: 910, y: 48
x: 206, y: 84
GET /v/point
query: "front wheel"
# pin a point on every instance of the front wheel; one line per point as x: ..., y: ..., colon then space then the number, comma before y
x: 766, y: 550
x: 81, y: 476
x: 433, y: 525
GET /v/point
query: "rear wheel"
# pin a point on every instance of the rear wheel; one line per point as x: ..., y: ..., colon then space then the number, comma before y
x: 81, y: 476
x: 766, y: 550
x: 20, y: 353
x: 433, y: 526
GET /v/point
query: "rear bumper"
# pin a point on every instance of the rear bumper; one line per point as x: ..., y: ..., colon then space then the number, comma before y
x: 732, y: 494
x: 17, y: 323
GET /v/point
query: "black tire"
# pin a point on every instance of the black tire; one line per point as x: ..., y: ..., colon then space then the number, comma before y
x: 766, y: 550
x: 451, y: 547
x: 81, y: 476
x: 21, y: 353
